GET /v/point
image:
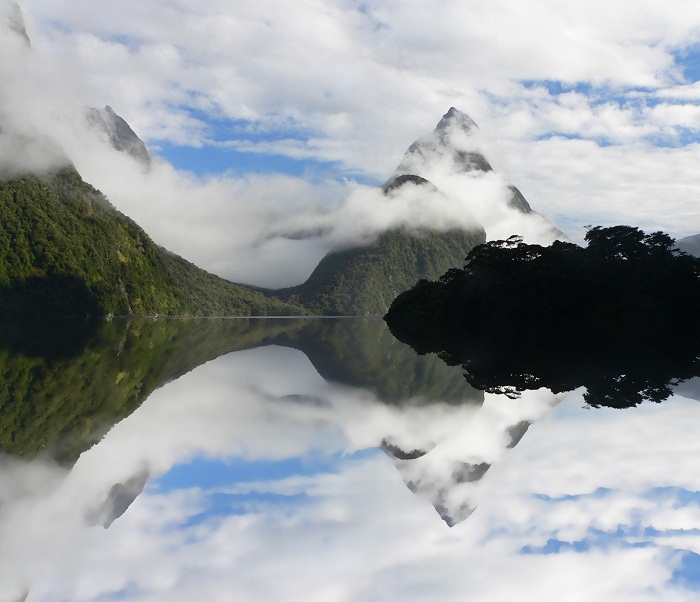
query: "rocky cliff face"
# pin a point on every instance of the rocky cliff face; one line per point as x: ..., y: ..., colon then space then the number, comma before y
x: 119, y: 133
x: 452, y: 150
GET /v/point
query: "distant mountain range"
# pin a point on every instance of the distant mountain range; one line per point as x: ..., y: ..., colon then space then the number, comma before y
x: 64, y: 250
x: 690, y: 245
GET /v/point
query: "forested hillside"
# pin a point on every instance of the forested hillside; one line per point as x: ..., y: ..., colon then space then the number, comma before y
x: 65, y: 250
x: 365, y: 280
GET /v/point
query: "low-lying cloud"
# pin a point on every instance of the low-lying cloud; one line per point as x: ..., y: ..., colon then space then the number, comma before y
x: 268, y: 229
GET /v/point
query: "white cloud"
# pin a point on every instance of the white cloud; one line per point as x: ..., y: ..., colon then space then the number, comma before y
x: 366, y: 81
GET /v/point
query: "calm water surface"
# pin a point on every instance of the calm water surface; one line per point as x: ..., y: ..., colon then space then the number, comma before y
x: 322, y: 460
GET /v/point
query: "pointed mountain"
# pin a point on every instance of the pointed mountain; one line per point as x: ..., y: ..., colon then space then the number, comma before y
x: 438, y: 147
x: 453, y: 149
x: 449, y: 473
x: 364, y: 279
x: 118, y: 133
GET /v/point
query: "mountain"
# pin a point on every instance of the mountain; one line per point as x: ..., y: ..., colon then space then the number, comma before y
x: 365, y: 279
x: 118, y: 500
x: 448, y: 146
x: 690, y: 245
x: 11, y: 14
x: 453, y: 149
x: 449, y: 472
x: 119, y: 133
x: 65, y: 250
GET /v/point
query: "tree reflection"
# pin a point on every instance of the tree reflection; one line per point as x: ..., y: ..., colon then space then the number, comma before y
x: 619, y: 377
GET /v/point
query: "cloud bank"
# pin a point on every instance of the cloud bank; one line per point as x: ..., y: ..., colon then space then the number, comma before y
x: 595, y: 124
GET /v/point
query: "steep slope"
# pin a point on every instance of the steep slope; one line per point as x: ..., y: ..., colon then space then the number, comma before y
x: 365, y: 280
x: 119, y: 133
x: 450, y: 472
x: 450, y: 152
x: 64, y: 250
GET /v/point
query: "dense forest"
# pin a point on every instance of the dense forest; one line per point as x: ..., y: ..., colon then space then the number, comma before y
x: 64, y: 250
x: 618, y: 316
x: 365, y: 280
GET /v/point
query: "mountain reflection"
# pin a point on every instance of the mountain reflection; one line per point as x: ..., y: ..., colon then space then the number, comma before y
x: 266, y: 447
x: 65, y: 383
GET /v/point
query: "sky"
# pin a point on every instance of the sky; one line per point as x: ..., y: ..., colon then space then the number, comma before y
x: 267, y: 485
x: 255, y: 112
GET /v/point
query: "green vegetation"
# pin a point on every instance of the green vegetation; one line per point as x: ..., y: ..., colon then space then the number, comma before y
x: 364, y: 280
x: 362, y: 353
x: 64, y: 384
x: 64, y: 250
x: 618, y: 316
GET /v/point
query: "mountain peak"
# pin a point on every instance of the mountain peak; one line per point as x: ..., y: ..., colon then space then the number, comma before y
x: 455, y: 119
x: 119, y: 133
x: 455, y: 148
x: 14, y: 19
x: 449, y: 145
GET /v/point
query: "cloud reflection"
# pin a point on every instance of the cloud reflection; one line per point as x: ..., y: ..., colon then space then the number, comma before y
x: 288, y: 501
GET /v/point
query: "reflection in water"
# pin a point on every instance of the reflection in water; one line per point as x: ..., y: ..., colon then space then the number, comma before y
x: 64, y: 386
x: 264, y: 479
x: 616, y: 372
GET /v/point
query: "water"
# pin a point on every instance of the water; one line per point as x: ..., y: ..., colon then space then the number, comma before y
x: 324, y: 460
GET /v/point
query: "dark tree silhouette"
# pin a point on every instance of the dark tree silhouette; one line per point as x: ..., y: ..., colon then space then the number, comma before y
x: 618, y: 316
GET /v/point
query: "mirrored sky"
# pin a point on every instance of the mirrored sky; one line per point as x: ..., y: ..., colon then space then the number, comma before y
x: 265, y: 482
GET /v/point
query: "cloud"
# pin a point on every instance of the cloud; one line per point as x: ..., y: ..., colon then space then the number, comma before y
x: 575, y: 120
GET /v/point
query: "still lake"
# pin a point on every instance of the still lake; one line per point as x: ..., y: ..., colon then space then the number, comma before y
x: 323, y: 460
